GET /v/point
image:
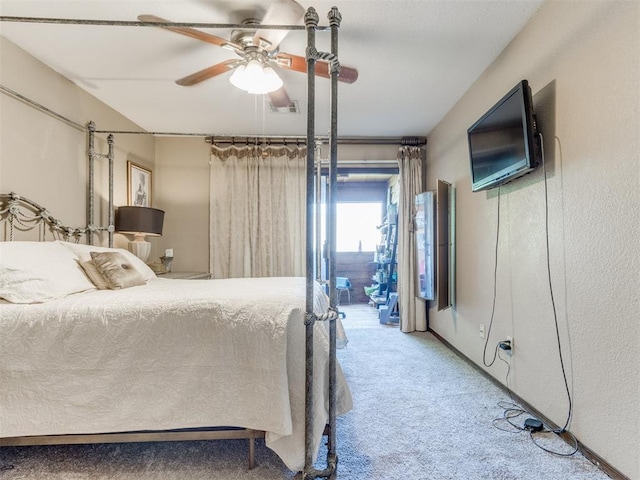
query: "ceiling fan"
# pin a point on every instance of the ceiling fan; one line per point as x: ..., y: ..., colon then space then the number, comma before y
x: 258, y: 51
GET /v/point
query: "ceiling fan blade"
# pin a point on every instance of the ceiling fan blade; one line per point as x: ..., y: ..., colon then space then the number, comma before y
x: 346, y: 74
x: 207, y: 73
x: 299, y: 64
x: 190, y: 32
x: 279, y: 98
x: 280, y: 12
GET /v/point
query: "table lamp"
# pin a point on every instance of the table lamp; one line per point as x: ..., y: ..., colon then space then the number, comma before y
x: 139, y: 222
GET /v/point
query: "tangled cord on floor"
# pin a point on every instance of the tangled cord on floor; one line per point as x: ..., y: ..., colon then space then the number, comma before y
x: 513, y: 411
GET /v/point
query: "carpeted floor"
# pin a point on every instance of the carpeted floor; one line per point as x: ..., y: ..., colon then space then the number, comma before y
x: 420, y: 413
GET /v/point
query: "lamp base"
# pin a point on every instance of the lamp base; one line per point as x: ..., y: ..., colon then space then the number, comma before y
x: 140, y: 248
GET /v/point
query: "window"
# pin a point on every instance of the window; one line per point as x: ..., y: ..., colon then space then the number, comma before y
x: 356, y: 226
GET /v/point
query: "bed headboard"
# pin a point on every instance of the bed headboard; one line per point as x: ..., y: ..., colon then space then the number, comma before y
x: 19, y: 215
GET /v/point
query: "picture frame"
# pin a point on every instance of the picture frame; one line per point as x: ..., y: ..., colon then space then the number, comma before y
x: 139, y: 182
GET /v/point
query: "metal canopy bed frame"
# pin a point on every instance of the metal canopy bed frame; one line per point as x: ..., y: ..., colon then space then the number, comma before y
x: 38, y: 216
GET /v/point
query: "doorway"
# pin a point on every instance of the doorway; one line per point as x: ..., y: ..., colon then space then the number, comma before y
x: 362, y: 204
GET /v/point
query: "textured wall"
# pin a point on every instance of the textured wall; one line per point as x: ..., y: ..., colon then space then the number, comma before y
x: 582, y: 62
x: 45, y: 159
x: 182, y: 164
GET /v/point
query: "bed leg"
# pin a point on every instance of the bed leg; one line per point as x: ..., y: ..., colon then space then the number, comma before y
x: 327, y: 433
x: 252, y: 453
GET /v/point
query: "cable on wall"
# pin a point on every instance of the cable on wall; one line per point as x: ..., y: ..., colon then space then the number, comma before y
x: 511, y: 410
x: 553, y: 302
x: 495, y: 283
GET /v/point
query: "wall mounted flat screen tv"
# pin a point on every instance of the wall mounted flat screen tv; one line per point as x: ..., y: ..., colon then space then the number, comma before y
x: 503, y: 143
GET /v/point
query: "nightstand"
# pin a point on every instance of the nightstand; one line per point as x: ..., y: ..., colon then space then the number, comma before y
x: 185, y: 275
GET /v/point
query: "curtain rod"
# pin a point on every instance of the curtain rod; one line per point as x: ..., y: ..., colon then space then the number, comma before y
x: 278, y: 139
x: 284, y: 139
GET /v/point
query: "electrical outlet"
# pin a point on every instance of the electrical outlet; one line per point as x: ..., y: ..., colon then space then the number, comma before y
x: 482, y: 330
x: 510, y: 340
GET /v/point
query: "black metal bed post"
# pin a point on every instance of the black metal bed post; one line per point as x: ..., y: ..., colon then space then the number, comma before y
x: 91, y: 152
x: 334, y: 21
x: 110, y: 155
x: 91, y: 127
x: 311, y: 22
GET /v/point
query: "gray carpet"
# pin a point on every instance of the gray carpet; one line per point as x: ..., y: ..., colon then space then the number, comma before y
x: 420, y: 413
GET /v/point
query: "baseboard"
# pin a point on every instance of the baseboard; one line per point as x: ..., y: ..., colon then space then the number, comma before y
x: 584, y: 450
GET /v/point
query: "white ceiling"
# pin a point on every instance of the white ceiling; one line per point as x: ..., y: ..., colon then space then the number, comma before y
x: 415, y: 60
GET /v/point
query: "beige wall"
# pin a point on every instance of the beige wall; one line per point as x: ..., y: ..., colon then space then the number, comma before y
x: 582, y: 62
x: 183, y: 193
x: 45, y: 159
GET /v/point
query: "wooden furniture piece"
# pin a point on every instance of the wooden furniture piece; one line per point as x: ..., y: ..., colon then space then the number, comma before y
x: 445, y: 241
x: 131, y: 437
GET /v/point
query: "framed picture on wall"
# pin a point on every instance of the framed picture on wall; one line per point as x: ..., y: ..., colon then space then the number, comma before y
x: 138, y: 185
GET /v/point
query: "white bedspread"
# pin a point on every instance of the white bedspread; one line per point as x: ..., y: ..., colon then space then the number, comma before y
x: 171, y: 354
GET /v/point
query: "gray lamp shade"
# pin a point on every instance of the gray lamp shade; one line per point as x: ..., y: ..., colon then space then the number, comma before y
x: 136, y: 220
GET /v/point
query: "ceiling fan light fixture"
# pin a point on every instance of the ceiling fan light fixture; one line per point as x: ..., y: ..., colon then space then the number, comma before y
x: 272, y: 81
x: 254, y: 69
x: 238, y: 79
x: 255, y: 78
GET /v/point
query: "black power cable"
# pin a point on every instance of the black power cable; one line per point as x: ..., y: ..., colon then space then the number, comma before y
x: 553, y: 302
x: 495, y: 284
x: 512, y: 411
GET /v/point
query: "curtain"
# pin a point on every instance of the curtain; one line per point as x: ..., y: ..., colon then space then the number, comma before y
x: 257, y: 211
x: 412, y: 308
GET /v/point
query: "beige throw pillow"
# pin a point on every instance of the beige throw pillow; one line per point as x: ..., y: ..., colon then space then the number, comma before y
x: 92, y: 272
x: 82, y: 251
x: 117, y: 270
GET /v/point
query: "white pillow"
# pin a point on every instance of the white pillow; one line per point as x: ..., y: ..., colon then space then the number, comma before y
x: 35, y: 272
x: 82, y: 251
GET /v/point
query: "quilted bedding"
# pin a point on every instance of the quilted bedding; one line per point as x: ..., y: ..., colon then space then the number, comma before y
x: 169, y: 354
